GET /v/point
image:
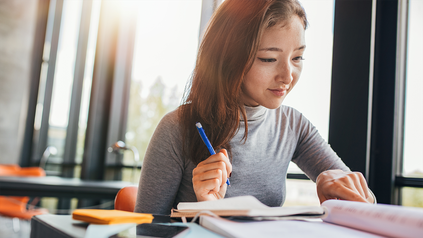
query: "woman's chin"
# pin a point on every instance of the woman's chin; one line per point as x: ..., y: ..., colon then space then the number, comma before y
x: 273, y: 105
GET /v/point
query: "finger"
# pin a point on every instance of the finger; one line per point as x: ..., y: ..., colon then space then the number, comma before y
x: 345, y: 193
x: 224, y: 175
x: 216, y: 170
x: 208, y: 186
x: 351, y: 181
x: 208, y: 175
x: 228, y: 163
x: 220, y: 156
x: 207, y: 167
x: 365, y: 187
x: 357, y: 184
x: 322, y: 198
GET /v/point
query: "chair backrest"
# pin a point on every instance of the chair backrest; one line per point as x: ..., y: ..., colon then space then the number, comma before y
x: 126, y: 198
x: 16, y: 206
x: 16, y: 170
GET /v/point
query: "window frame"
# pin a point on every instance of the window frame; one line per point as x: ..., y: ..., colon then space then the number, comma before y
x: 381, y: 164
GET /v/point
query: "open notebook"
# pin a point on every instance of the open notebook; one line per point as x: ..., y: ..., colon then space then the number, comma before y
x: 343, y: 219
x: 247, y: 206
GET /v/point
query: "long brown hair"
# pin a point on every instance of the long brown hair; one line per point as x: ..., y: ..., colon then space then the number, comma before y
x: 226, y: 54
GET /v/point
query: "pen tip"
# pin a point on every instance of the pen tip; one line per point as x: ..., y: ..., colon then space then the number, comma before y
x: 198, y: 124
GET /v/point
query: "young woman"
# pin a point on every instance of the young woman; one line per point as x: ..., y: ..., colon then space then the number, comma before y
x: 249, y: 60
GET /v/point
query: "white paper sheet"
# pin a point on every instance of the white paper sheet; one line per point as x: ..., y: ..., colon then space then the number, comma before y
x: 105, y: 231
x: 280, y: 229
x: 250, y: 204
x: 389, y: 220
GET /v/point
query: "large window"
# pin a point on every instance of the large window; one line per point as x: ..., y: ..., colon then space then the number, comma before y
x: 64, y: 89
x: 164, y: 58
x: 413, y: 118
x: 65, y: 83
x: 413, y: 139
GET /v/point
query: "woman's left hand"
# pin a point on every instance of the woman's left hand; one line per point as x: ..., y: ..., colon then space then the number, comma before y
x: 338, y: 184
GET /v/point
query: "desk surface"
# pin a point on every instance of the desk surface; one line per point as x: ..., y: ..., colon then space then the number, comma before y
x: 63, y: 226
x: 57, y: 226
x: 60, y: 187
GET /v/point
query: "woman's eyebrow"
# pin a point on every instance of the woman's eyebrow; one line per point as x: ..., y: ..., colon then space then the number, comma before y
x: 271, y: 49
x: 301, y: 47
x: 279, y: 49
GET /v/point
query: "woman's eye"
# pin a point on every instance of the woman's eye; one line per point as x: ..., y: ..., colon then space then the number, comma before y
x: 267, y: 60
x: 298, y: 58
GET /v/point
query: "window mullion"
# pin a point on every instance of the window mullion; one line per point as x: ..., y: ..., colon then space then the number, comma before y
x: 75, y: 104
x: 383, y: 160
x: 36, y: 62
x: 95, y: 147
x: 43, y: 133
x: 118, y: 115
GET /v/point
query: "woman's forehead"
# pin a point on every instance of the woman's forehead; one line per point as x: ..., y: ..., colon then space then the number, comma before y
x: 291, y: 29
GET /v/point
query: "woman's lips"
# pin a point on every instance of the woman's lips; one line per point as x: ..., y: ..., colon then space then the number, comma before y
x: 278, y: 92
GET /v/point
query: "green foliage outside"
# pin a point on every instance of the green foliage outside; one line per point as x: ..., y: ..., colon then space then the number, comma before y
x: 412, y: 197
x: 145, y: 113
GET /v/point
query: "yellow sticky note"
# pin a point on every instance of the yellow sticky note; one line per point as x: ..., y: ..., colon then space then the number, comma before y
x: 97, y: 216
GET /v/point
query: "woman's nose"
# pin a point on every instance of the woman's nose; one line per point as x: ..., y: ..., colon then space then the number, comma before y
x: 285, y: 73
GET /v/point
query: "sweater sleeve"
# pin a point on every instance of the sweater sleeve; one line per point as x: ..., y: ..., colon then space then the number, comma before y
x: 162, y: 169
x: 313, y: 154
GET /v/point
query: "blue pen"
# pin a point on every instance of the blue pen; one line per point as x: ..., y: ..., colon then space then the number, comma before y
x: 207, y: 142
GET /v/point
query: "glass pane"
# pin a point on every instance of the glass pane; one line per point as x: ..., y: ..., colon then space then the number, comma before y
x: 412, y: 197
x: 63, y: 82
x: 88, y: 76
x: 63, y: 79
x: 315, y: 80
x: 301, y: 193
x: 164, y: 58
x: 413, y: 139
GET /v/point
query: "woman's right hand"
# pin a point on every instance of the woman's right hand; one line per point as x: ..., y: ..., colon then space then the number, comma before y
x: 209, y: 177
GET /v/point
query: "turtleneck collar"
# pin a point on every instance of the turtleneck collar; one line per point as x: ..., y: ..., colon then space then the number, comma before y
x: 255, y: 113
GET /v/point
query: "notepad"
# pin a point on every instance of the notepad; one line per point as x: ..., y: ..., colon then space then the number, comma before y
x: 97, y: 216
x: 247, y: 206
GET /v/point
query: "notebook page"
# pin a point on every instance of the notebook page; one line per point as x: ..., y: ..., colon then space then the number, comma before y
x: 251, y: 205
x: 297, y: 229
x: 389, y: 220
x: 234, y: 203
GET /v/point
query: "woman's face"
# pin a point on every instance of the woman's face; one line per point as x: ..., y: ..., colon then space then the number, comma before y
x: 277, y: 66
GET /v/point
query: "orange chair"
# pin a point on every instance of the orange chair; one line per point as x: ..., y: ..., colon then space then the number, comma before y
x: 126, y: 198
x: 16, y: 206
x: 16, y: 170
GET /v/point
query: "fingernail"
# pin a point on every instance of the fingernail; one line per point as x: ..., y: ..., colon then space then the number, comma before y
x: 230, y: 174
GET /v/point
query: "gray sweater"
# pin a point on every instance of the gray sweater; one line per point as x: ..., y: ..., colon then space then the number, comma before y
x: 259, y: 167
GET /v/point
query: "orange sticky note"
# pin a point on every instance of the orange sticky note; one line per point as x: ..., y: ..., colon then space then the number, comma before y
x: 98, y: 216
